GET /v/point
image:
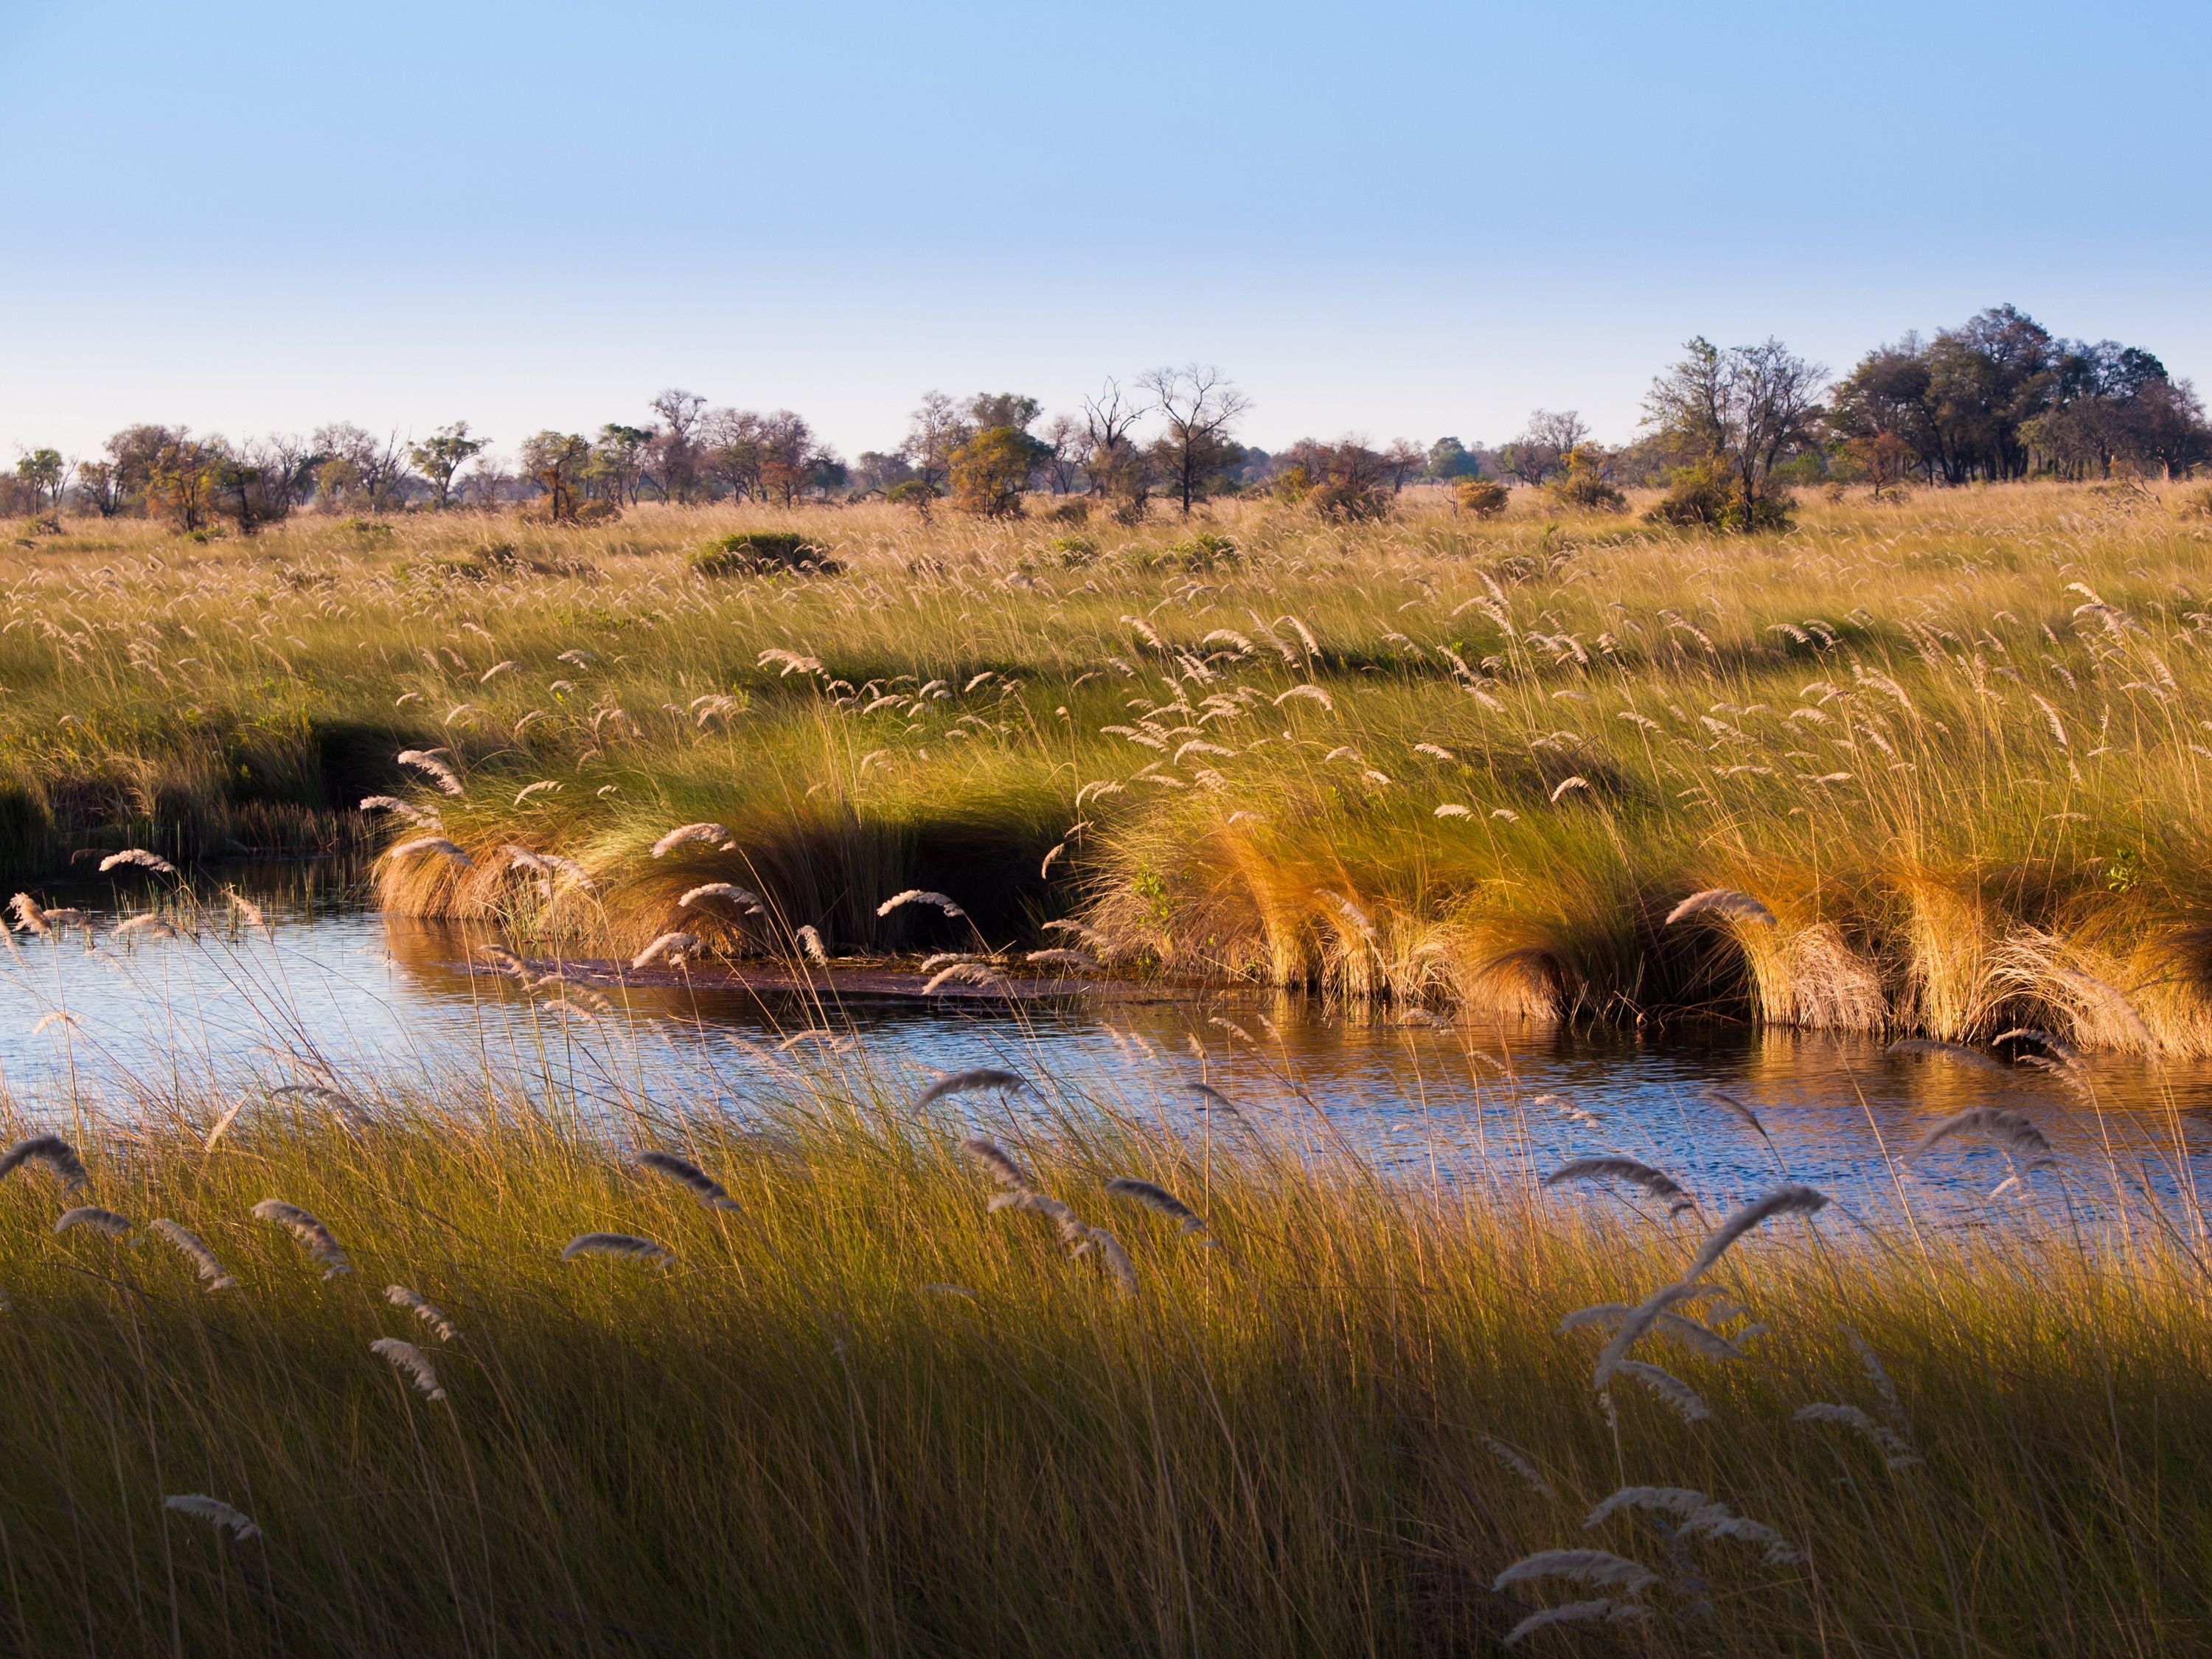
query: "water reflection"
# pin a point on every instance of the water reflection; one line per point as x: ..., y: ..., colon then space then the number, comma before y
x: 328, y: 989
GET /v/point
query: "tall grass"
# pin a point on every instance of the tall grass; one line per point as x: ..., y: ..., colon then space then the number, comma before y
x: 1952, y: 747
x: 862, y: 1407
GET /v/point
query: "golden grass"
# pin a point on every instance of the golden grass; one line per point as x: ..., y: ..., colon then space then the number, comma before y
x: 1955, y: 745
x: 864, y: 1409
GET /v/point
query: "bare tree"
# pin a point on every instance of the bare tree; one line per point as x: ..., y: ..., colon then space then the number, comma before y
x: 1115, y: 468
x: 675, y: 456
x: 1543, y: 447
x: 1062, y: 439
x: 1199, y: 406
x: 936, y: 429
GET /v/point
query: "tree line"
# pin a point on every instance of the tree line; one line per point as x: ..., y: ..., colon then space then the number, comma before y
x: 1727, y: 434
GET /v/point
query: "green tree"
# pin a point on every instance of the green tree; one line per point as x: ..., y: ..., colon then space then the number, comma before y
x: 989, y: 470
x: 444, y: 453
x: 1734, y: 415
x: 1449, y: 460
x: 555, y: 462
x: 46, y: 475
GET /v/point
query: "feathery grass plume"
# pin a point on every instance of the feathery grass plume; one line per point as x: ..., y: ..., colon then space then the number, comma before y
x: 222, y: 1126
x: 405, y: 810
x: 30, y: 915
x: 748, y: 902
x: 994, y: 1158
x: 407, y: 1358
x: 311, y: 1233
x: 1685, y: 1400
x: 1788, y: 1199
x: 1681, y: 1501
x: 504, y: 962
x: 154, y: 863
x: 194, y: 1249
x: 1091, y: 939
x: 51, y: 1151
x: 1453, y: 810
x: 61, y: 1017
x: 1571, y: 1613
x: 1698, y: 1516
x: 1656, y: 1182
x: 1730, y: 1103
x: 1931, y: 1048
x: 340, y: 1104
x: 437, y: 844
x: 217, y: 1514
x: 1519, y: 1463
x: 148, y: 927
x: 687, y: 834
x: 917, y: 896
x: 1159, y: 1200
x: 1701, y: 1338
x: 426, y: 761
x: 1061, y: 956
x: 703, y: 1186
x: 626, y: 1245
x: 400, y: 1297
x: 1637, y: 1324
x: 1567, y: 1108
x: 1896, y: 1452
x: 967, y: 973
x: 1726, y: 904
x: 675, y: 947
x: 1111, y: 1253
x: 965, y: 1082
x: 2014, y: 1131
x: 91, y: 1215
x: 810, y: 942
x: 1311, y: 694
x: 1598, y: 1567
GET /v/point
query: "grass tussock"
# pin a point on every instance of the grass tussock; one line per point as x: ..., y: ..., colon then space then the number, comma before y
x: 1947, y: 755
x: 835, y: 1379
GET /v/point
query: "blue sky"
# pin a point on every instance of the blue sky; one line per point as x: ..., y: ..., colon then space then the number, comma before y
x: 1399, y: 219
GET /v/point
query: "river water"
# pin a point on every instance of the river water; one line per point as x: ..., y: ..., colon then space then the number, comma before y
x: 332, y: 992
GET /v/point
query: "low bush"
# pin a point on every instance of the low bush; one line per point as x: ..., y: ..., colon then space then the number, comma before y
x: 761, y: 553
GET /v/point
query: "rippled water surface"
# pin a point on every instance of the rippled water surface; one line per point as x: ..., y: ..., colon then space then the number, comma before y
x: 387, y: 1006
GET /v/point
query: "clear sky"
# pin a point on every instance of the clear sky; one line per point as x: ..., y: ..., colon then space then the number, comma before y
x: 1401, y: 219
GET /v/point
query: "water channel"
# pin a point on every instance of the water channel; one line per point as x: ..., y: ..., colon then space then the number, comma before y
x: 330, y: 991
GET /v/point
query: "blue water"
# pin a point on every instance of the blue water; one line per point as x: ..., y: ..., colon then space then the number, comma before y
x: 332, y: 992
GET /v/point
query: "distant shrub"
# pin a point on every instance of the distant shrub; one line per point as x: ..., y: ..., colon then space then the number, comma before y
x: 1480, y: 498
x: 1201, y: 552
x: 1583, y: 487
x: 915, y: 493
x: 1704, y: 494
x: 601, y: 511
x: 1075, y: 552
x: 368, y: 529
x: 1077, y: 511
x: 761, y: 553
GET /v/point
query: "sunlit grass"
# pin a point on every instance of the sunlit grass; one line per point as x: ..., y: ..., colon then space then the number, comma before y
x: 1954, y: 745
